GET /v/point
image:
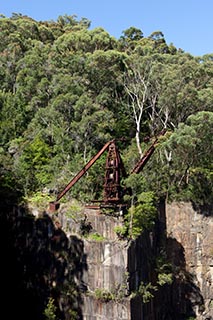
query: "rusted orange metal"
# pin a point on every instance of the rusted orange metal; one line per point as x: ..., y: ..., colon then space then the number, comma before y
x: 114, y: 167
x: 141, y: 163
x: 83, y: 171
x: 113, y: 172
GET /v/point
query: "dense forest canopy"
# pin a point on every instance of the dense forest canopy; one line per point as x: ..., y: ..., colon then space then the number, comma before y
x: 66, y: 89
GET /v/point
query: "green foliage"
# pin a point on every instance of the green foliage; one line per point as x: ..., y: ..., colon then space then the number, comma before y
x: 63, y: 96
x: 191, y: 163
x: 121, y: 231
x: 164, y: 270
x: 50, y: 311
x: 133, y: 34
x: 96, y: 237
x: 142, y: 216
x: 137, y: 184
x: 165, y: 278
x: 64, y: 93
x: 146, y: 291
x: 104, y: 295
x: 117, y: 293
x: 32, y: 165
x: 74, y: 209
x: 73, y: 314
x: 39, y: 200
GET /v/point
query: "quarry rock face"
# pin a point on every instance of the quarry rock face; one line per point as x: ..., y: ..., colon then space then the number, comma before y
x: 116, y: 267
x: 106, y: 277
x: 108, y: 259
x: 109, y: 270
x: 194, y: 232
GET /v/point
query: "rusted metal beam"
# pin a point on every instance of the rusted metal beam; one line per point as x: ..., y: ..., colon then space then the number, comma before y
x: 141, y: 163
x: 54, y: 205
x: 83, y: 171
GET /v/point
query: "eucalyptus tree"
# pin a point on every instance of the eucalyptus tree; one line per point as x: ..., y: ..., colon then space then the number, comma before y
x: 33, y: 77
x: 41, y: 155
x: 12, y: 48
x: 101, y: 40
x: 76, y: 88
x: 103, y: 71
x: 190, y: 169
x: 159, y: 42
x: 129, y: 39
x: 204, y: 82
x: 187, y: 87
x: 67, y: 21
x: 166, y: 89
x: 142, y: 82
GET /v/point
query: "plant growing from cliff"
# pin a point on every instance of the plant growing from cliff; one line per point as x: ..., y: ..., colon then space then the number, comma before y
x: 39, y: 200
x: 74, y: 209
x: 165, y: 278
x: 108, y: 211
x: 121, y: 231
x: 73, y: 315
x: 142, y: 215
x: 50, y: 310
x: 164, y: 270
x: 120, y: 289
x: 96, y: 237
x: 104, y: 295
x: 146, y: 291
x: 117, y: 293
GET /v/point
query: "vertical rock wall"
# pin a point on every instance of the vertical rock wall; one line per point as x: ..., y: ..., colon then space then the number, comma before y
x: 117, y: 267
x: 194, y: 232
x: 105, y: 280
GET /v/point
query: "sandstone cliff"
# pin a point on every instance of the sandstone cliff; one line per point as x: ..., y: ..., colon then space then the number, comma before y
x: 194, y: 232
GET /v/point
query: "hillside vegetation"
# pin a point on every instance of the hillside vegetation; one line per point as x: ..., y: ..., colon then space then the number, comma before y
x: 67, y: 89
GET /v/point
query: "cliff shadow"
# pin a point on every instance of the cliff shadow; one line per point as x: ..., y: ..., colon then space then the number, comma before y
x: 176, y: 300
x: 39, y: 262
x: 180, y: 299
x: 204, y: 209
x: 183, y: 296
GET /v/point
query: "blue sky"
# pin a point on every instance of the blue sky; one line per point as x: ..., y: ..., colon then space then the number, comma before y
x: 188, y: 24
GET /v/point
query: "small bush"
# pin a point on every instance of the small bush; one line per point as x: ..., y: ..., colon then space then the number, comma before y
x: 143, y: 215
x: 50, y: 310
x: 96, y: 236
x: 39, y: 200
x: 104, y: 295
x: 121, y: 231
x: 146, y: 291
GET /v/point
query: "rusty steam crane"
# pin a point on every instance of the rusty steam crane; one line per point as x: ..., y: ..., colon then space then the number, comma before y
x: 114, y: 171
